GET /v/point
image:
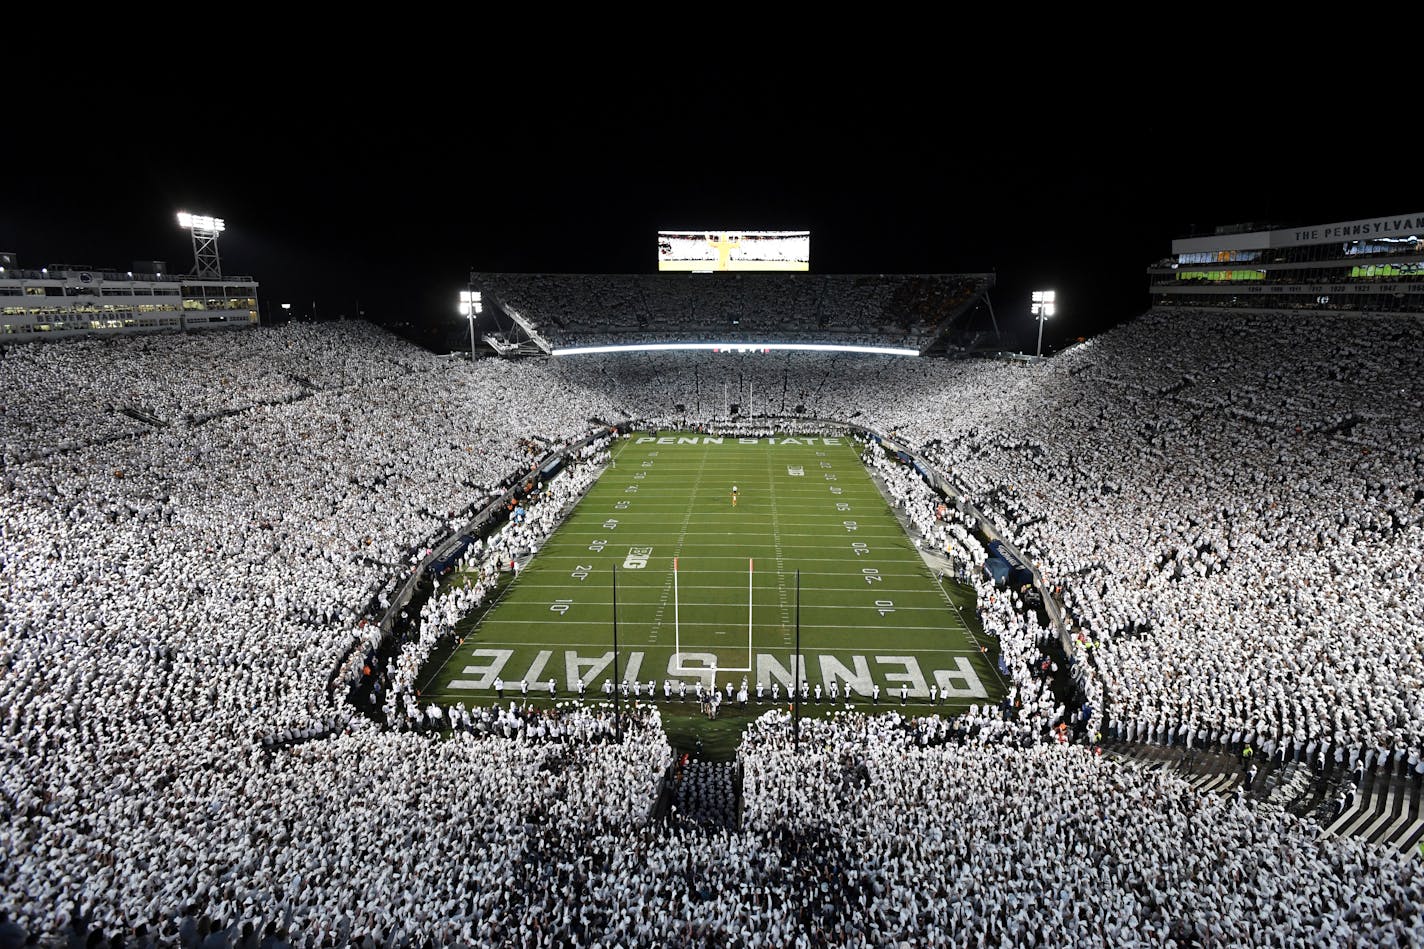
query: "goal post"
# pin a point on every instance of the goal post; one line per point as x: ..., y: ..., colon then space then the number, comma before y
x: 676, y: 667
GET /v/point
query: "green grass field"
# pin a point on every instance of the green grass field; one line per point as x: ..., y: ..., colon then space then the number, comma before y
x: 871, y: 612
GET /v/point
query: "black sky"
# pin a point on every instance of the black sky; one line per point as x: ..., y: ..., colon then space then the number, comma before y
x: 338, y: 185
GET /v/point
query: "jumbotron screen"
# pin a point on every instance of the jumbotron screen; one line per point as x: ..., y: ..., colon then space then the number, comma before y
x: 710, y: 251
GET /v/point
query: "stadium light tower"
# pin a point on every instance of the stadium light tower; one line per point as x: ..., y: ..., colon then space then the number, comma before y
x: 205, y: 230
x: 1043, y: 308
x: 471, y: 307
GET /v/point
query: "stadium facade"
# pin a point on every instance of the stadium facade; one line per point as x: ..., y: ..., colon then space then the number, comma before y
x: 1373, y: 264
x: 67, y: 300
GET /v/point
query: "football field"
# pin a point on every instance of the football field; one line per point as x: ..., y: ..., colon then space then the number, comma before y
x: 871, y: 612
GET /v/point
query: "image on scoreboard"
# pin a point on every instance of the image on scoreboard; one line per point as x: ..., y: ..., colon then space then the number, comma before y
x: 713, y: 251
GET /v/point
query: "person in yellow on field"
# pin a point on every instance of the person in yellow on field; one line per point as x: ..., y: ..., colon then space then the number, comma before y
x: 734, y: 495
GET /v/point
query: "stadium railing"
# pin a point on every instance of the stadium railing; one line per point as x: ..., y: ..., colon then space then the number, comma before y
x: 440, y: 546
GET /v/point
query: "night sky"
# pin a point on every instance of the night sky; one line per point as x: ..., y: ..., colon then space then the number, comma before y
x: 337, y: 187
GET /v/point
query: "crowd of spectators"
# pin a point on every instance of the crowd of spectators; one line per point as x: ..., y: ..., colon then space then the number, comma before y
x: 176, y: 600
x: 176, y: 379
x: 866, y: 309
x: 1231, y: 509
x: 1228, y: 506
x: 974, y: 842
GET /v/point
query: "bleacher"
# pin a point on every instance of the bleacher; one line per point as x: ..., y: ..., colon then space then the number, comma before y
x: 905, y: 311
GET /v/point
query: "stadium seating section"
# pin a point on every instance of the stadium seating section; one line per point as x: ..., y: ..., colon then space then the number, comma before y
x: 198, y: 532
x: 870, y: 310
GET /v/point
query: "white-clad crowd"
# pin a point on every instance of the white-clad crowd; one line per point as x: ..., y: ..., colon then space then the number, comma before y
x: 1233, y: 516
x: 863, y: 309
x: 978, y: 843
x: 176, y: 601
x: 170, y: 379
x: 1232, y: 506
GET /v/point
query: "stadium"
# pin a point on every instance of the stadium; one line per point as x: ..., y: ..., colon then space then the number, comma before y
x: 734, y: 604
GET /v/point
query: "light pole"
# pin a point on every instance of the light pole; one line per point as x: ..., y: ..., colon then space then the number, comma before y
x: 470, y: 306
x: 205, y: 230
x: 1043, y: 308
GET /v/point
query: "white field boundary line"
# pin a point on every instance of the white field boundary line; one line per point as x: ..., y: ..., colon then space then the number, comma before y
x: 603, y: 622
x: 864, y: 492
x: 608, y: 646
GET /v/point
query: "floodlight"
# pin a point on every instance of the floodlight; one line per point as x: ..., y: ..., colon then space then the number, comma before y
x: 201, y: 222
x: 1044, y: 302
x: 1044, y: 306
x: 466, y: 296
x: 286, y: 306
x: 470, y: 307
x: 205, y: 230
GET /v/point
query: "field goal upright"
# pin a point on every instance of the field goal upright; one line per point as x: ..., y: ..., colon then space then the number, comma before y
x: 678, y: 668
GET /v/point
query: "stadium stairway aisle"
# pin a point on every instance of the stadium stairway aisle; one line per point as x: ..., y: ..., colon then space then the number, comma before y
x: 146, y: 418
x: 1208, y: 772
x: 1388, y: 809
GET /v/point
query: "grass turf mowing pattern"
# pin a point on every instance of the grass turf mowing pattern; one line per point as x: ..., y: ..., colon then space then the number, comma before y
x: 871, y: 611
